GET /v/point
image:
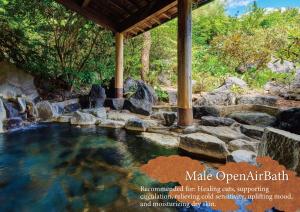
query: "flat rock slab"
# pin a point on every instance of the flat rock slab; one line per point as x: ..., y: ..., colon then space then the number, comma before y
x: 164, y: 140
x: 253, y: 118
x: 241, y: 156
x: 80, y: 118
x: 224, y: 133
x: 63, y: 119
x: 241, y: 144
x: 205, y: 145
x: 216, y: 121
x: 136, y: 124
x: 258, y: 100
x: 282, y: 146
x: 118, y: 116
x: 111, y: 124
x: 252, y: 131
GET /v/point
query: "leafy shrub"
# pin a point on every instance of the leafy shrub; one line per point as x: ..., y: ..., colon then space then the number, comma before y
x: 162, y: 95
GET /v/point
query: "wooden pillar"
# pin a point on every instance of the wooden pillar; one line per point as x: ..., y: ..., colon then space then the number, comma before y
x: 185, y: 109
x: 119, y: 65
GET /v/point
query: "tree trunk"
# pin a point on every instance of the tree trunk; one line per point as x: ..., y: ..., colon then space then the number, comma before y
x: 145, y: 57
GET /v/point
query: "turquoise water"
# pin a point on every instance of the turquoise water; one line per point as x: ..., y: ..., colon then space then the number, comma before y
x: 56, y: 167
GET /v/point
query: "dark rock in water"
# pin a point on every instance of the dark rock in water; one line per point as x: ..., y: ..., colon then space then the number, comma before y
x: 253, y: 118
x: 11, y: 109
x: 97, y: 96
x: 289, y: 120
x: 252, y: 131
x: 199, y: 111
x: 170, y: 118
x: 13, y: 123
x: 258, y: 100
x: 216, y: 121
x: 114, y: 103
x: 281, y: 146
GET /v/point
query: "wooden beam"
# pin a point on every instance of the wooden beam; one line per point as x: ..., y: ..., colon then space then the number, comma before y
x: 84, y: 11
x: 184, y: 77
x: 86, y: 3
x: 119, y: 65
x: 152, y: 9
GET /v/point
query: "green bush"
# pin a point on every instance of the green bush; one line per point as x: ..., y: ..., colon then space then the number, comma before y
x: 162, y: 95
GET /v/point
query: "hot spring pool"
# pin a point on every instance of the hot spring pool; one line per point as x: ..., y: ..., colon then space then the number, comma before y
x: 55, y: 167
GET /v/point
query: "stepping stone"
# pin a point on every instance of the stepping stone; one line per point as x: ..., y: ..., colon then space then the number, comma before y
x: 252, y: 131
x: 216, y: 121
x: 205, y: 145
x: 241, y: 144
x: 253, y: 118
x: 111, y: 124
x: 224, y: 133
x: 164, y: 140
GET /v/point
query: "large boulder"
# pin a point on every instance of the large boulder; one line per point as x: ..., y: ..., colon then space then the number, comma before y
x: 231, y: 82
x: 167, y: 118
x: 253, y: 118
x: 257, y: 100
x: 216, y: 98
x: 97, y: 96
x: 67, y: 106
x: 2, y: 111
x: 80, y: 118
x: 216, y: 121
x: 281, y: 146
x: 289, y: 120
x: 200, y: 111
x: 281, y: 66
x: 141, y: 99
x: 114, y: 103
x: 275, y: 88
x: 205, y: 145
x: 224, y: 133
x: 15, y: 82
x: 46, y: 111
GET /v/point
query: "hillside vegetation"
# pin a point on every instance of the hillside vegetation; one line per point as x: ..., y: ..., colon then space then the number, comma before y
x: 56, y: 44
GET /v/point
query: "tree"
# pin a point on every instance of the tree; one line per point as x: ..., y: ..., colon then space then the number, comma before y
x: 145, y: 57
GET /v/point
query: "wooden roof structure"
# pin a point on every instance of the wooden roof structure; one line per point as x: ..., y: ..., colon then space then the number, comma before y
x: 130, y: 17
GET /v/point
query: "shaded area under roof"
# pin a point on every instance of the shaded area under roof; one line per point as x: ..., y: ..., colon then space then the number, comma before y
x: 131, y: 17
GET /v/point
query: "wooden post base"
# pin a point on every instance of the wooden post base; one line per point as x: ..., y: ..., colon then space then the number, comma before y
x: 118, y: 92
x: 185, y: 117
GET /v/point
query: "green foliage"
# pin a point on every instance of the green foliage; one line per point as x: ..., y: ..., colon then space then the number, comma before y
x: 162, y: 95
x: 57, y: 44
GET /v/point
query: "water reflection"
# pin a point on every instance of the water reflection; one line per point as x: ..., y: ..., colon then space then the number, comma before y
x: 55, y: 167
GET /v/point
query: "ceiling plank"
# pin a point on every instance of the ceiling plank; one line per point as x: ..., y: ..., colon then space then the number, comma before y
x: 152, y: 9
x: 84, y: 11
x: 86, y: 3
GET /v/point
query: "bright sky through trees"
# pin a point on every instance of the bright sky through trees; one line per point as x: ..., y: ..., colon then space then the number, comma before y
x: 238, y: 7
